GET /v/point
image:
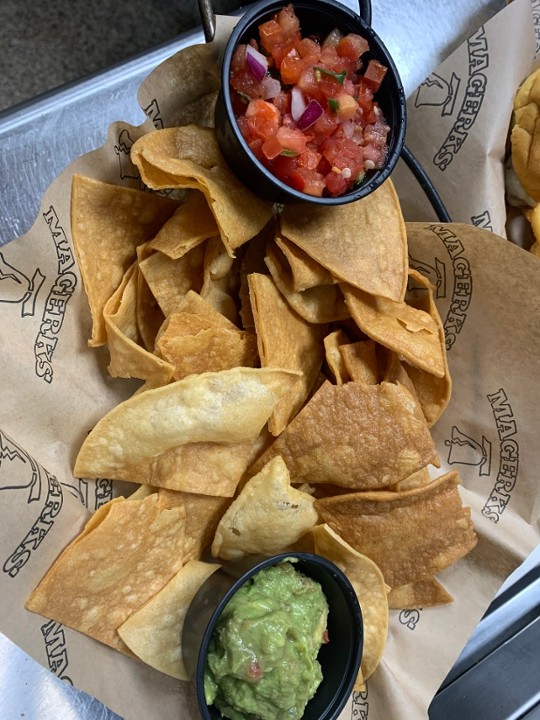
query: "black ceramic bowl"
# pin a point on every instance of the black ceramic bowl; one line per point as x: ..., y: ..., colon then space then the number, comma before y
x: 316, y: 16
x: 340, y: 658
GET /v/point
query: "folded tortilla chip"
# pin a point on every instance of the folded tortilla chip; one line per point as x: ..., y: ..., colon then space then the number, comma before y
x: 355, y: 435
x: 433, y: 392
x: 334, y: 358
x: 129, y: 359
x: 286, y: 340
x: 360, y: 360
x: 154, y: 632
x: 411, y: 333
x: 169, y: 280
x: 191, y: 224
x: 304, y: 271
x: 363, y: 243
x: 113, y: 568
x: 410, y: 535
x: 108, y: 222
x: 267, y: 516
x: 319, y: 304
x: 189, y: 157
x: 225, y: 407
x: 368, y: 583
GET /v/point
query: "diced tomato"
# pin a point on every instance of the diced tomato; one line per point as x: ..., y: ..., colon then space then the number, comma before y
x: 352, y: 46
x: 347, y: 140
x: 292, y: 139
x: 292, y: 66
x: 307, y: 181
x: 309, y: 159
x: 271, y: 147
x: 374, y: 74
x: 309, y: 50
x: 282, y: 167
x: 263, y: 118
x: 336, y: 183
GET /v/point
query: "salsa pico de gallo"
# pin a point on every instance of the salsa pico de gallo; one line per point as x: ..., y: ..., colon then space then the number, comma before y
x: 306, y: 107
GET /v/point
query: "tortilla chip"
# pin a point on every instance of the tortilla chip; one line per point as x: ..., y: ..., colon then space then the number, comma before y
x: 356, y: 436
x: 417, y: 479
x: 109, y: 573
x: 203, y: 513
x: 169, y: 280
x: 221, y: 280
x: 304, y: 271
x: 150, y: 316
x: 128, y: 358
x: 191, y: 224
x: 189, y: 157
x: 108, y: 222
x: 360, y: 360
x: 363, y: 243
x: 410, y: 535
x: 411, y: 333
x: 266, y: 517
x: 368, y: 583
x: 206, y: 348
x: 285, y: 340
x: 419, y: 594
x: 334, y: 359
x: 227, y: 407
x: 321, y: 304
x: 208, y: 468
x: 154, y: 632
x: 433, y: 392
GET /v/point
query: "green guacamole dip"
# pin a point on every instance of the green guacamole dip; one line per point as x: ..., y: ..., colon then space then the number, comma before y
x: 262, y: 657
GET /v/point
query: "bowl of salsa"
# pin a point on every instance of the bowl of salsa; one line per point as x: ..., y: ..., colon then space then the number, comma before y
x: 272, y: 637
x: 311, y: 106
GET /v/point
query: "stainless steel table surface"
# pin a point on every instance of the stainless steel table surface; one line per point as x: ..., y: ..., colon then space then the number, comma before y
x: 40, y: 138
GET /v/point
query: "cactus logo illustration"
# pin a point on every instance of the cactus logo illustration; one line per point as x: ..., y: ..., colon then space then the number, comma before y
x: 18, y: 289
x: 465, y: 450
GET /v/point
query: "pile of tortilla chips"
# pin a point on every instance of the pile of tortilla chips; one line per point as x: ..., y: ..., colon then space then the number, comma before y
x: 291, y: 367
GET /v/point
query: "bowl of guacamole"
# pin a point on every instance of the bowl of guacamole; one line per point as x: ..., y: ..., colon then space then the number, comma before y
x: 274, y: 638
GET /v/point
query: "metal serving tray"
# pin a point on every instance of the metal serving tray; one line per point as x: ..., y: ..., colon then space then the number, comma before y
x: 498, y: 674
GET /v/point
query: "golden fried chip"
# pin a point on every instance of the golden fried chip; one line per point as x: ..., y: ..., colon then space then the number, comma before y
x: 355, y: 435
x: 226, y: 407
x: 207, y: 468
x: 411, y: 333
x: 194, y: 304
x: 286, y: 340
x: 108, y: 222
x: 154, y: 632
x: 169, y: 280
x: 189, y: 157
x: 304, y: 271
x: 419, y: 594
x: 192, y: 344
x: 368, y: 583
x: 109, y: 573
x: 321, y: 304
x: 128, y: 358
x: 410, y: 535
x: 191, y: 224
x: 334, y: 359
x: 267, y: 516
x: 360, y: 360
x: 150, y: 316
x: 203, y: 513
x: 417, y: 479
x: 363, y: 243
x: 433, y: 392
x: 221, y: 279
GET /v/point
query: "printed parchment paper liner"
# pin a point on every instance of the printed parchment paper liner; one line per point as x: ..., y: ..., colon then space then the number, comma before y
x: 54, y: 389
